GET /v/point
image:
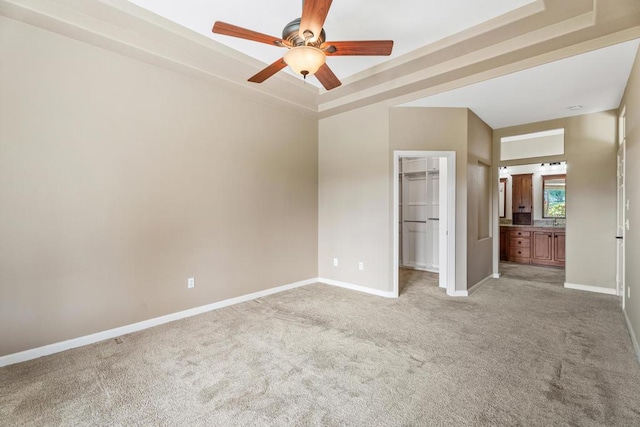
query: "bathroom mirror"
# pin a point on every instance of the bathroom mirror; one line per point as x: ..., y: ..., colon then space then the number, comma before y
x: 553, y: 196
x: 502, y: 197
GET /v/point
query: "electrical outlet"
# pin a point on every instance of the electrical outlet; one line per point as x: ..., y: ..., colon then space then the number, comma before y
x: 191, y: 282
x: 361, y: 266
x: 335, y: 262
x: 628, y: 292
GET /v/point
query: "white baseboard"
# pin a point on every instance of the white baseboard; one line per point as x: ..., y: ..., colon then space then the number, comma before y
x: 358, y: 288
x: 23, y: 356
x: 597, y: 289
x: 634, y: 340
x: 458, y: 293
x: 473, y: 289
x: 496, y: 275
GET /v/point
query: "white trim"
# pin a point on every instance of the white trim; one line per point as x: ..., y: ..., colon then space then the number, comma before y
x: 46, y: 350
x: 588, y: 288
x: 455, y: 293
x: 358, y: 288
x: 480, y: 284
x: 496, y: 275
x: 634, y: 340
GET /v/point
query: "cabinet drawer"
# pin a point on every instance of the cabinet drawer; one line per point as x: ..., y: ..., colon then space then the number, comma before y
x: 519, y: 233
x: 517, y: 252
x: 520, y: 243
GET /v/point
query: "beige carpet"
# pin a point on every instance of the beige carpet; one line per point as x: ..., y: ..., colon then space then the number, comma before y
x: 514, y: 353
x: 535, y: 273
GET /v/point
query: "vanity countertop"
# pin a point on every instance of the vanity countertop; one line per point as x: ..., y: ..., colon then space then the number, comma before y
x: 559, y: 226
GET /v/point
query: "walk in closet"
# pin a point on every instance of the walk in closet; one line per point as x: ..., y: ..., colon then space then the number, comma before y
x: 419, y: 213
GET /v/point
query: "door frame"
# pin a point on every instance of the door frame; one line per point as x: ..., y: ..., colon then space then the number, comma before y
x: 447, y: 229
x: 621, y: 208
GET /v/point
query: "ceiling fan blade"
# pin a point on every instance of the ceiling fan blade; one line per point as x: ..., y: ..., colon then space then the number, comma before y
x: 269, y: 71
x: 366, y: 47
x: 234, y: 31
x: 327, y: 78
x: 314, y: 12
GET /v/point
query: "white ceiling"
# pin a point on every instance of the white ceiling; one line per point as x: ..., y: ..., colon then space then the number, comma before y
x: 409, y: 23
x: 595, y: 80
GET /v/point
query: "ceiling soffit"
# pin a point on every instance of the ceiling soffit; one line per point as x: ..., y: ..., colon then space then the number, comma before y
x: 535, y: 34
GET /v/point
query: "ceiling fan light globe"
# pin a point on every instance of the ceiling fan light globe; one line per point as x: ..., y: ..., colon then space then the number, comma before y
x: 304, y: 60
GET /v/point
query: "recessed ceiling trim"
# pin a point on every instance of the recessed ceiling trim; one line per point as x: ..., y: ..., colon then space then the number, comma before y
x: 526, y: 37
x: 495, y: 23
x: 116, y: 26
x: 520, y: 42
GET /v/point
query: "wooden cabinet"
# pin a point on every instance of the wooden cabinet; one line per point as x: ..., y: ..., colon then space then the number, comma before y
x: 532, y: 245
x: 558, y: 247
x: 522, y: 199
x: 519, y: 248
x: 548, y: 247
x: 542, y: 247
x: 504, y: 242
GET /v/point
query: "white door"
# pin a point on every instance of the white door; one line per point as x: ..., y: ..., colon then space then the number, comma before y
x: 621, y: 214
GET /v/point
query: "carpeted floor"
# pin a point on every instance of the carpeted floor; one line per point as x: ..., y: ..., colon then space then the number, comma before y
x: 513, y: 353
x: 534, y: 273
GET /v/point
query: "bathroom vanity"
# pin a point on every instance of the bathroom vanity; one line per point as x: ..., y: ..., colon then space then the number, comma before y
x: 532, y: 245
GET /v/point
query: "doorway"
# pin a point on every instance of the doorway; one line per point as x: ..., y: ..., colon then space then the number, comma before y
x: 533, y: 221
x: 424, y: 215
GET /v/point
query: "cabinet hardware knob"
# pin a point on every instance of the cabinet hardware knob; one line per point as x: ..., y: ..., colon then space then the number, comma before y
x: 519, y: 252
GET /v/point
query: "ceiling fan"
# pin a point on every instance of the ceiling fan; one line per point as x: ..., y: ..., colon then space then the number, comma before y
x: 307, y: 48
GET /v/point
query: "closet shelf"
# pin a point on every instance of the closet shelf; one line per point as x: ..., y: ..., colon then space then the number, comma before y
x: 415, y: 175
x: 420, y: 222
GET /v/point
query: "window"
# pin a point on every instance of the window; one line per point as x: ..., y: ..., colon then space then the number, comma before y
x: 553, y: 194
x: 537, y: 144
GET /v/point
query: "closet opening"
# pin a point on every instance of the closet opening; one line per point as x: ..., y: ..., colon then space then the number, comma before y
x: 424, y: 219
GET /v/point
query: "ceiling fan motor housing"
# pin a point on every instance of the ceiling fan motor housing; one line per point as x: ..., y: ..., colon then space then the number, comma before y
x: 291, y: 33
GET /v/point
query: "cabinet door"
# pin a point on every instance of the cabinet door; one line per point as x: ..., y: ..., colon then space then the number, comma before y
x: 522, y: 193
x: 516, y: 190
x: 526, y: 195
x: 542, y: 246
x: 503, y: 243
x: 558, y: 246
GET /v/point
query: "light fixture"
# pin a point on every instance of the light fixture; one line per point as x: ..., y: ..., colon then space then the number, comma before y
x: 304, y: 60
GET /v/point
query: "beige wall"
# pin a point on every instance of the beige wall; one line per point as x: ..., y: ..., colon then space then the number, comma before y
x: 119, y: 180
x: 438, y: 129
x: 479, y: 158
x: 355, y: 194
x: 354, y: 197
x: 632, y: 236
x: 590, y: 152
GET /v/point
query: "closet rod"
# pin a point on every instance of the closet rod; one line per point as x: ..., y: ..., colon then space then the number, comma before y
x: 422, y: 222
